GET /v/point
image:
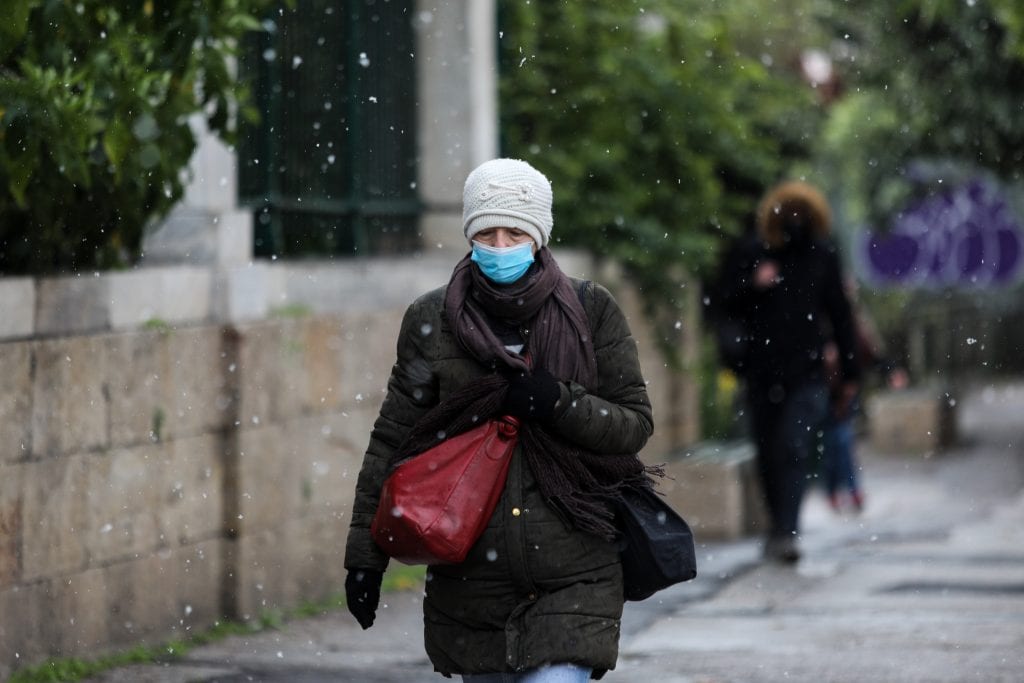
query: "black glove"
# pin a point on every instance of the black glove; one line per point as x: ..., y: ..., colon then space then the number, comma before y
x: 362, y: 594
x: 531, y: 395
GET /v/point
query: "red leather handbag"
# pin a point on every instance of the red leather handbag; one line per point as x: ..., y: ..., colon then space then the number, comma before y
x: 434, y: 507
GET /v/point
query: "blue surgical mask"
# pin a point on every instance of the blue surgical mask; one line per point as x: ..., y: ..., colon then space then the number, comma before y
x: 503, y: 264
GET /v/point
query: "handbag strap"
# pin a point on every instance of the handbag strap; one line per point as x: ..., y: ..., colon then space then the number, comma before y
x: 583, y: 290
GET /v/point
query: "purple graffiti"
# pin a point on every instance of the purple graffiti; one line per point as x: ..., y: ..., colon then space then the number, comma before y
x: 962, y: 237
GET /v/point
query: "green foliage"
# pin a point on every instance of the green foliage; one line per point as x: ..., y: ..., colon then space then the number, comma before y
x: 95, y: 101
x: 657, y: 131
x: 926, y: 80
x: 156, y: 431
x: 720, y: 396
x: 291, y: 311
x: 157, y: 325
x: 78, y: 669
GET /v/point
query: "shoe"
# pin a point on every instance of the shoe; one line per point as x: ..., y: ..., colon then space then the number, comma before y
x: 835, y: 503
x: 782, y: 549
x: 857, y: 498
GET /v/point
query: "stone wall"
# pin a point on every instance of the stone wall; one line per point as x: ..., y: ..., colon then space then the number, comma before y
x: 157, y: 477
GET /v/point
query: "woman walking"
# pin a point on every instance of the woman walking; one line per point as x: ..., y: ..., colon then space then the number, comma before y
x: 785, y: 286
x: 540, y: 596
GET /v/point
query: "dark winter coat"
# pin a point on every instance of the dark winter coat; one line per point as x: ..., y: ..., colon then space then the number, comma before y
x: 532, y: 591
x: 786, y: 326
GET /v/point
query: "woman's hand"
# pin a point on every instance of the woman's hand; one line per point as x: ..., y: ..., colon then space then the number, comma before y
x: 766, y: 275
x: 362, y: 594
x: 531, y: 395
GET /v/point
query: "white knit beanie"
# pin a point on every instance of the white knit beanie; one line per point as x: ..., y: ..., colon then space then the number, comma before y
x: 507, y: 193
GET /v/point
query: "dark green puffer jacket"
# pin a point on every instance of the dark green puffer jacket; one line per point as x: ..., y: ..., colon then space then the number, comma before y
x: 532, y: 591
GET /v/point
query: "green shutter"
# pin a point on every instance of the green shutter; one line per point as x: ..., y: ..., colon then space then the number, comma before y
x: 330, y: 168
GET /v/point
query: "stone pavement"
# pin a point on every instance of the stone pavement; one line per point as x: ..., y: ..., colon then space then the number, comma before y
x: 927, y: 584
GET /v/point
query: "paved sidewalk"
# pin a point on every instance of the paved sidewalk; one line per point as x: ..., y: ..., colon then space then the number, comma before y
x: 926, y: 585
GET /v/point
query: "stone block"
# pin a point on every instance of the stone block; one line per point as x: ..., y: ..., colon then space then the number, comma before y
x: 243, y: 293
x: 297, y: 391
x: 69, y: 396
x: 192, y: 484
x: 164, y: 595
x: 714, y: 487
x: 279, y: 568
x: 366, y: 286
x: 77, y: 604
x: 320, y: 460
x: 167, y: 295
x: 17, y: 307
x: 140, y: 387
x: 54, y: 513
x: 186, y: 235
x: 124, y: 503
x: 289, y: 368
x: 66, y: 305
x: 272, y: 381
x: 166, y: 384
x: 52, y: 618
x: 260, y: 571
x: 291, y: 470
x: 322, y: 364
x: 437, y: 233
x: 186, y: 294
x: 214, y: 168
x: 316, y: 561
x: 367, y: 347
x: 23, y: 640
x: 326, y: 288
x: 257, y: 372
x: 134, y: 297
x: 349, y: 436
x: 234, y: 238
x: 147, y: 498
x: 268, y: 487
x: 11, y: 524
x: 198, y: 400
x: 351, y: 428
x: 15, y: 400
x: 911, y: 421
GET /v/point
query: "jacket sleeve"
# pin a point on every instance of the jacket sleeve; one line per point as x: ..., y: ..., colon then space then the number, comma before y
x: 411, y: 392
x: 734, y: 285
x: 840, y: 314
x: 614, y: 417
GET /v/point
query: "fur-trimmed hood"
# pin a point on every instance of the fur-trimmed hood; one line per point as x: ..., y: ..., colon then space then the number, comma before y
x: 792, y: 206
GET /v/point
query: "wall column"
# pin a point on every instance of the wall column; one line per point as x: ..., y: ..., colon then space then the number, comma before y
x: 457, y: 77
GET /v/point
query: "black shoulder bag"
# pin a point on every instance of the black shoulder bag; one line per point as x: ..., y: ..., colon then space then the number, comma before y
x: 655, y: 545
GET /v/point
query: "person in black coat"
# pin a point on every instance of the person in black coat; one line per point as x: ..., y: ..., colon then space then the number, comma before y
x: 783, y: 288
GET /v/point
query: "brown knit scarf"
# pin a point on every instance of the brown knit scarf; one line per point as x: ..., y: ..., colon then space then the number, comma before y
x: 544, y: 300
x: 581, y: 486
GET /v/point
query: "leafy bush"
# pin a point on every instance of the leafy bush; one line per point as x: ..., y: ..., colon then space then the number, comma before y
x: 95, y: 102
x: 927, y: 81
x: 658, y: 130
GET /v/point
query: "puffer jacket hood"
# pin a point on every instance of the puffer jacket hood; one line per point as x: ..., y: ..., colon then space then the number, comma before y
x: 792, y: 205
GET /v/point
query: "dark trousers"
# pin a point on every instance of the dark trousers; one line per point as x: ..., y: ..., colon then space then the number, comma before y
x: 785, y: 423
x: 837, y: 458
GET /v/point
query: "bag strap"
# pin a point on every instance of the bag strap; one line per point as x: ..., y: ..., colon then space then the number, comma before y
x: 583, y: 290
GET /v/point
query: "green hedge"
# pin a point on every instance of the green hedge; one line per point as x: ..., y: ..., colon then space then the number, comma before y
x: 95, y: 102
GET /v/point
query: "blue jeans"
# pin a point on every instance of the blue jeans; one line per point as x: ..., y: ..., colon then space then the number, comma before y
x: 554, y: 673
x: 785, y: 422
x: 837, y: 463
